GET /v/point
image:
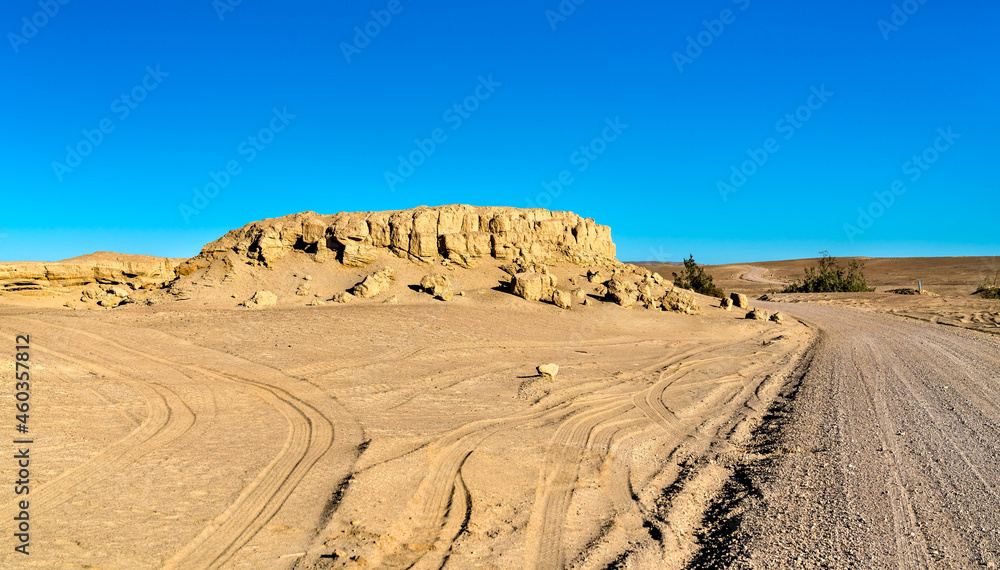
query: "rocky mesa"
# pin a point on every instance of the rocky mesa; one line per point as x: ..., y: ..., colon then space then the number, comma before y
x: 459, y: 233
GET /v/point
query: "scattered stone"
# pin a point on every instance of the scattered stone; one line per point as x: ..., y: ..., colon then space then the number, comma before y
x: 393, y: 300
x: 316, y: 303
x: 621, y: 292
x: 308, y: 278
x: 344, y: 297
x: 562, y: 299
x: 778, y: 318
x: 579, y: 294
x: 109, y: 303
x: 657, y: 278
x: 533, y: 286
x: 303, y: 290
x: 118, y: 291
x: 601, y: 291
x: 435, y: 284
x: 375, y: 284
x: 757, y: 315
x: 587, y: 302
x: 261, y: 299
x: 680, y: 301
x: 726, y: 304
x: 740, y: 300
x: 596, y: 276
x: 548, y: 370
x: 444, y: 294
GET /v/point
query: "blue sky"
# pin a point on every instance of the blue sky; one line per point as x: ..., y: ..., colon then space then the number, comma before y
x: 733, y: 130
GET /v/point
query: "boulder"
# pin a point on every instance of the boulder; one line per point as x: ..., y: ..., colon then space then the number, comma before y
x: 778, y: 318
x: 596, y: 276
x: 374, y: 284
x: 726, y: 304
x: 680, y: 301
x: 533, y: 286
x: 343, y: 298
x: 119, y: 291
x: 757, y: 315
x: 261, y: 299
x: 433, y: 281
x: 740, y: 300
x: 587, y: 302
x: 621, y: 292
x: 562, y: 299
x: 445, y: 294
x: 303, y: 290
x: 579, y: 294
x: 548, y: 370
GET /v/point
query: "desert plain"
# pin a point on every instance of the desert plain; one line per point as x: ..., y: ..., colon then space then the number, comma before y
x: 259, y: 406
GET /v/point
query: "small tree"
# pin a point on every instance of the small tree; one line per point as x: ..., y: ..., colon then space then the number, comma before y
x: 990, y: 287
x: 695, y: 279
x: 830, y: 277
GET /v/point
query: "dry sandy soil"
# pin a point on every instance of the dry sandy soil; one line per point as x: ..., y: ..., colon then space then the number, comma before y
x: 196, y: 434
x: 949, y: 280
x: 409, y: 435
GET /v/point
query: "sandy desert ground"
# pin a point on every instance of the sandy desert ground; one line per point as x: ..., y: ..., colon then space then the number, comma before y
x: 185, y: 431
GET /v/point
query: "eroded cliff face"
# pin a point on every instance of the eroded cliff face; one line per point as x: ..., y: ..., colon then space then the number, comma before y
x: 462, y: 234
x: 135, y: 271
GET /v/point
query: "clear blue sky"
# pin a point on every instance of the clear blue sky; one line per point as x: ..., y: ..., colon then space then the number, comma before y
x: 184, y: 89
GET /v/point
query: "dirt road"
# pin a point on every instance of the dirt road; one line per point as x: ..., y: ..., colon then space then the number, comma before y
x: 888, y: 454
x: 756, y: 275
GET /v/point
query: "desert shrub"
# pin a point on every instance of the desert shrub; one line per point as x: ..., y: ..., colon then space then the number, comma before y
x: 831, y: 277
x: 990, y: 287
x: 695, y: 279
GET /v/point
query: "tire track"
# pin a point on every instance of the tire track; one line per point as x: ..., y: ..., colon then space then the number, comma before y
x: 310, y: 435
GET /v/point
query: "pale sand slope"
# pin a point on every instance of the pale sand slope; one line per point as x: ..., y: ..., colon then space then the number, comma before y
x: 186, y: 436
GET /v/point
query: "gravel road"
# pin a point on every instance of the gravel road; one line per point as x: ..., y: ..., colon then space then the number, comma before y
x: 887, y: 455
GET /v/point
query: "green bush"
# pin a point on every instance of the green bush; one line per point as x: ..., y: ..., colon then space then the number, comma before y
x: 990, y: 287
x: 695, y: 279
x: 831, y: 277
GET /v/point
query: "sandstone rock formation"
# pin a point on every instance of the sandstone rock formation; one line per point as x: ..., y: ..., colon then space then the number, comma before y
x: 459, y: 233
x: 437, y: 285
x: 533, y: 286
x: 562, y: 299
x: 548, y: 370
x: 740, y: 300
x: 261, y: 299
x: 680, y: 301
x: 104, y: 268
x: 375, y: 284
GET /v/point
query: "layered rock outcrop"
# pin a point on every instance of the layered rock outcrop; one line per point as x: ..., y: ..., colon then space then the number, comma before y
x: 102, y: 268
x: 462, y: 234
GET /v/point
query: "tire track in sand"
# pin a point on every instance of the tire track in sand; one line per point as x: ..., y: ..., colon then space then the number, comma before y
x: 310, y: 436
